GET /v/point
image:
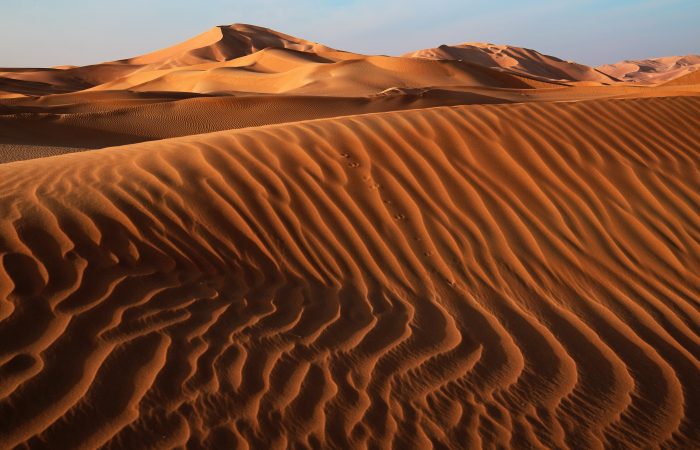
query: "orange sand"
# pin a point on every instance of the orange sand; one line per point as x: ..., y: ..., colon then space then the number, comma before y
x: 320, y: 249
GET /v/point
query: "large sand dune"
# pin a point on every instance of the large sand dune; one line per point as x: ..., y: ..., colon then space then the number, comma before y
x: 281, y: 245
x: 515, y: 275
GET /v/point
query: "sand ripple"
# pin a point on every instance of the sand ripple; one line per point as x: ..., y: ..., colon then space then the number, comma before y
x: 513, y: 275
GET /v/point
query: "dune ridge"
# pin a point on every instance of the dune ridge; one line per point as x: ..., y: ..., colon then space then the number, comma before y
x: 519, y: 275
x: 242, y: 57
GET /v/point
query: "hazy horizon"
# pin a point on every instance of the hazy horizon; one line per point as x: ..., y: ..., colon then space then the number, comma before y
x: 590, y: 32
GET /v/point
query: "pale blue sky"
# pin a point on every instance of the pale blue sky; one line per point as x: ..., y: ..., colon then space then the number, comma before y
x: 56, y: 32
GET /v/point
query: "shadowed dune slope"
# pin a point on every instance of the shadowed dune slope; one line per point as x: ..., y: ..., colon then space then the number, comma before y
x: 500, y: 275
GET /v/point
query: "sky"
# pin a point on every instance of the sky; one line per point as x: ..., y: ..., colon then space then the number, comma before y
x: 41, y: 33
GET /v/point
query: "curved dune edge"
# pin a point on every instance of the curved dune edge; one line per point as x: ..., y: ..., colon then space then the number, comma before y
x: 511, y: 275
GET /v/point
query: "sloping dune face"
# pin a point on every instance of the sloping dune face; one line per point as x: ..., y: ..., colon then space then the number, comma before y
x: 515, y: 59
x: 689, y: 79
x: 653, y: 70
x: 500, y: 276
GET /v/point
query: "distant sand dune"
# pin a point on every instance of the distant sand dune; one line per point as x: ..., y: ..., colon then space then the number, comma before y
x: 282, y: 71
x: 224, y: 43
x: 690, y: 78
x: 654, y: 70
x: 516, y: 60
x: 500, y: 276
x: 250, y: 58
x: 221, y: 43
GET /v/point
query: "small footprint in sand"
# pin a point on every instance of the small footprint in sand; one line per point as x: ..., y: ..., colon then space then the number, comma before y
x: 345, y: 155
x: 388, y: 202
x: 400, y: 216
x: 354, y: 164
x: 375, y: 186
x: 427, y: 253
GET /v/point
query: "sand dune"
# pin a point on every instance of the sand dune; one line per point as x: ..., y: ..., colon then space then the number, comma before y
x: 224, y: 43
x: 221, y: 43
x: 692, y: 78
x: 282, y: 71
x: 66, y: 123
x: 653, y: 70
x: 517, y: 60
x: 280, y: 245
x: 509, y: 275
x: 248, y: 58
x: 225, y: 61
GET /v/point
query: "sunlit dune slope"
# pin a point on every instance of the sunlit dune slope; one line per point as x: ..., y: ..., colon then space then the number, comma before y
x: 508, y: 275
